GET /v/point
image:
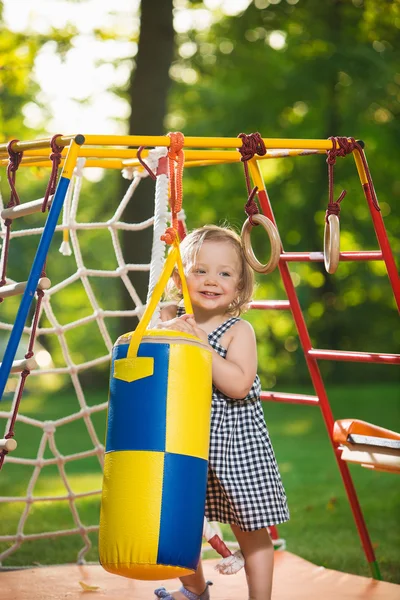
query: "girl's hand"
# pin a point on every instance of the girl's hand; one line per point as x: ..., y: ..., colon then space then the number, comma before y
x: 178, y: 324
x: 200, y: 333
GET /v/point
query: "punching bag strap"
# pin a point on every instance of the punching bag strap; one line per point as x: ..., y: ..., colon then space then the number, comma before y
x: 133, y: 367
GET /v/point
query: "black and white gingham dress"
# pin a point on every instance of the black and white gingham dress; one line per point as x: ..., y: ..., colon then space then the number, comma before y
x: 244, y: 485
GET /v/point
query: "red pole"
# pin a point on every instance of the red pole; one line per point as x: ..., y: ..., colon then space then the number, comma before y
x: 377, y: 220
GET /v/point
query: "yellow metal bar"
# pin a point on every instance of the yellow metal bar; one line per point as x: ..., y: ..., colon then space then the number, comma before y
x: 215, y: 155
x: 255, y: 173
x: 202, y: 142
x: 95, y: 152
x: 193, y: 158
x: 190, y: 142
x: 206, y: 163
x: 72, y: 156
x: 360, y: 167
x: 31, y: 161
x: 46, y: 163
x: 41, y: 152
x: 45, y: 143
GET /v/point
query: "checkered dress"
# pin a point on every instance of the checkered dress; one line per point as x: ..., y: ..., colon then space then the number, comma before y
x: 244, y: 485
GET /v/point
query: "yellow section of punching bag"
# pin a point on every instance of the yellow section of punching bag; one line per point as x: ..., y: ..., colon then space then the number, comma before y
x: 189, y: 400
x: 130, y: 512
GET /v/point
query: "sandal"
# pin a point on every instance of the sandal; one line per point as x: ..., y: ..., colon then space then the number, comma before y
x: 162, y: 593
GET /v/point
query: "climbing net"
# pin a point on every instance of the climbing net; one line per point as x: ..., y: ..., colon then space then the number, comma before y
x: 48, y: 323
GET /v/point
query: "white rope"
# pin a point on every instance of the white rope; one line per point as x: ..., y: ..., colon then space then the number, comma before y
x: 160, y: 225
x: 72, y: 369
x: 65, y: 247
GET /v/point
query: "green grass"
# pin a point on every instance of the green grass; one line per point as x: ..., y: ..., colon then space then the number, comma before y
x: 321, y: 528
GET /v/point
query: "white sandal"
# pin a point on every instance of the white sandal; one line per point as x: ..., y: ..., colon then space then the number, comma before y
x: 162, y: 593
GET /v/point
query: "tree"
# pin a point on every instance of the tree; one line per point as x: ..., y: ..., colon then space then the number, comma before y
x: 148, y: 92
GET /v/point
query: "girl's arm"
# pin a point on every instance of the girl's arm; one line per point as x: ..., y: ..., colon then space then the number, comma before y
x: 235, y: 374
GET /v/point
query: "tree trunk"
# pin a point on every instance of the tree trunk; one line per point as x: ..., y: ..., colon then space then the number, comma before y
x: 148, y: 92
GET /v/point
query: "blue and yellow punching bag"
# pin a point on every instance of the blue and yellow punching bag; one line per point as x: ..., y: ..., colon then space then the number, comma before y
x: 155, y: 471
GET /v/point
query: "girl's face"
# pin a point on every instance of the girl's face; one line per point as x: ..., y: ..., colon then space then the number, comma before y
x: 214, y: 278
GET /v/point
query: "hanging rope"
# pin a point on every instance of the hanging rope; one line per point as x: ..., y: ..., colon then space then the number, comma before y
x: 176, y: 161
x: 343, y: 149
x: 251, y: 144
x: 342, y: 146
x: 24, y: 374
x: 55, y: 158
x: 14, y: 160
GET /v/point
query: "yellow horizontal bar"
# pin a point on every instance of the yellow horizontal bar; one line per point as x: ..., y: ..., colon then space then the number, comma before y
x: 44, y: 143
x: 219, y: 155
x: 45, y: 162
x: 28, y: 161
x: 123, y: 153
x: 190, y: 142
x: 114, y: 158
x: 202, y: 142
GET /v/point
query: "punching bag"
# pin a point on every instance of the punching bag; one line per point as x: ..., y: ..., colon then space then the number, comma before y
x: 155, y: 470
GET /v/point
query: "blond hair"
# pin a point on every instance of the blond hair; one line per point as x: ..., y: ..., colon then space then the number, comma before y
x: 190, y: 247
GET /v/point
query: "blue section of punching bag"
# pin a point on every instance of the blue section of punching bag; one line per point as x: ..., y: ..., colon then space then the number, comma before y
x: 184, y: 486
x: 137, y: 410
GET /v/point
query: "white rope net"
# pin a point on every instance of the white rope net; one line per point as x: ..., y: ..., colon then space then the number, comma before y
x: 50, y: 451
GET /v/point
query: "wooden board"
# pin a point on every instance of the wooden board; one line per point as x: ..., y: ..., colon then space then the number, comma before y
x: 295, y: 579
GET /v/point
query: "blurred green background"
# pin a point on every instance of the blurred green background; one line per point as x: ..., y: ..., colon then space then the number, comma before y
x: 285, y: 68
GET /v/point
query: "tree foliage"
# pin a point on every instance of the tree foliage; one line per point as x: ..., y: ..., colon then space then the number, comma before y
x: 302, y: 70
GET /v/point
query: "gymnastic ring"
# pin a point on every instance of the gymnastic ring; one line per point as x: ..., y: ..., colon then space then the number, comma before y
x: 274, y: 241
x: 332, y: 243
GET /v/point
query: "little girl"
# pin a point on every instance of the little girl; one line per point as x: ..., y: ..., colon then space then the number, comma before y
x: 244, y: 487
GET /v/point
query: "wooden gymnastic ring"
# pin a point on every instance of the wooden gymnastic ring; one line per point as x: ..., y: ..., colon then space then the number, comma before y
x: 274, y: 241
x: 332, y: 243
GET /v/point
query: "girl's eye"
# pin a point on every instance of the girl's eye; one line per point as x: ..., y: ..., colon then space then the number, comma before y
x: 225, y: 274
x: 199, y: 271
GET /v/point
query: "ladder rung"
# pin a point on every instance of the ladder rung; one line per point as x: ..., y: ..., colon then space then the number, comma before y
x: 369, y: 357
x: 270, y: 304
x: 291, y: 398
x: 22, y: 365
x: 319, y: 256
x: 13, y: 289
x: 21, y: 210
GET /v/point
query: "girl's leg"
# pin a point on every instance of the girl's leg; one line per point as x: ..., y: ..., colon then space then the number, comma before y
x: 258, y: 552
x: 194, y: 583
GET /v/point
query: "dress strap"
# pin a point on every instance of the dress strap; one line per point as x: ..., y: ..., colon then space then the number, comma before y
x: 180, y: 310
x: 221, y: 329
